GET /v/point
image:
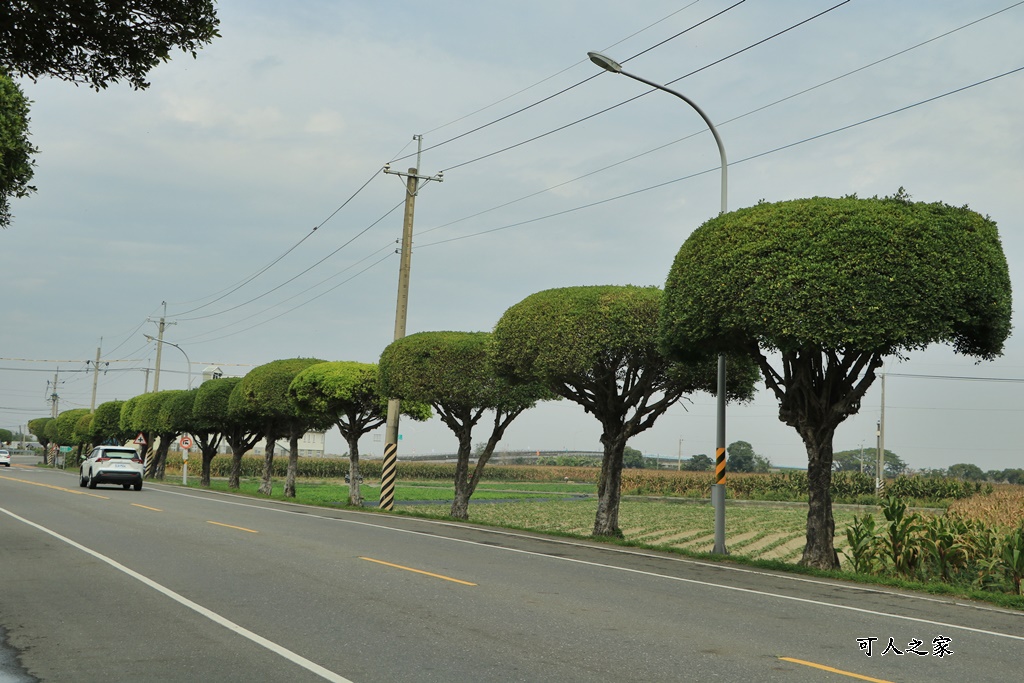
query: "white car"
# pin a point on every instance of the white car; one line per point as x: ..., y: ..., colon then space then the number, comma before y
x: 5, y: 458
x: 112, y: 465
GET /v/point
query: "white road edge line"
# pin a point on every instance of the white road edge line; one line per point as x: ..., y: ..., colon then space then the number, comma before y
x: 209, y: 614
x: 710, y: 584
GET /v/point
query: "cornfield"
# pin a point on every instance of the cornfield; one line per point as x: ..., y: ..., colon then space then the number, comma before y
x: 1002, y: 509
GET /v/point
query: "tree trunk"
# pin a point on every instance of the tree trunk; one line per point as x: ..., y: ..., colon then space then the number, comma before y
x: 355, y: 494
x: 237, y: 451
x: 460, y: 506
x: 609, y: 488
x: 209, y: 453
x: 160, y: 456
x: 268, y: 465
x: 821, y: 526
x: 293, y: 465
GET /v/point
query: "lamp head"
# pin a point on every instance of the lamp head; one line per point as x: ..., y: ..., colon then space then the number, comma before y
x: 606, y: 63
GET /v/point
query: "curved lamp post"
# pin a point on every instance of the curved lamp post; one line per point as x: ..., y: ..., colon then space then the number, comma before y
x: 164, y: 341
x: 718, y: 489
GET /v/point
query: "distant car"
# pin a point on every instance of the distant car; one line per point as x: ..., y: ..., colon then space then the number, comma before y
x: 5, y: 458
x: 112, y: 465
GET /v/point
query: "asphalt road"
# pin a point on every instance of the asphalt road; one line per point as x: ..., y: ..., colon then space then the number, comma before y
x: 168, y: 584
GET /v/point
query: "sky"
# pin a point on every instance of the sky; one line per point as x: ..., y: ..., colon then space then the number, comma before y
x: 185, y: 192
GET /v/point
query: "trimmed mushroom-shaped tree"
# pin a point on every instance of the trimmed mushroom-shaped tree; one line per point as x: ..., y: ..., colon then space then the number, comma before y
x: 211, y: 412
x: 346, y: 392
x: 38, y: 429
x: 819, y: 291
x: 599, y: 347
x: 106, y: 424
x: 263, y: 393
x: 454, y: 373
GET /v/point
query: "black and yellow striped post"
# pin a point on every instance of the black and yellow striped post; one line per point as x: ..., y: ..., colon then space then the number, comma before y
x: 388, y: 474
x: 718, y: 490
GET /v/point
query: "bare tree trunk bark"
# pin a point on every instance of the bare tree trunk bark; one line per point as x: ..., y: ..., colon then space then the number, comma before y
x: 236, y: 466
x: 820, y: 550
x: 266, y: 485
x: 606, y: 522
x: 293, y: 465
x: 209, y: 453
x: 460, y: 506
x: 355, y: 494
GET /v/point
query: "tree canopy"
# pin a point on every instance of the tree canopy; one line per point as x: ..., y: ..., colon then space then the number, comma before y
x: 263, y: 395
x: 15, y: 149
x: 599, y: 347
x: 454, y: 372
x: 106, y: 424
x: 818, y: 291
x: 212, y: 411
x: 347, y: 393
x: 98, y: 42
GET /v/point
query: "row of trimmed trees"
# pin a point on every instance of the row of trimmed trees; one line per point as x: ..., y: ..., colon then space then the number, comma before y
x: 811, y: 295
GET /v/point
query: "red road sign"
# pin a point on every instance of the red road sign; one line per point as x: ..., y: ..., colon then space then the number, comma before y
x: 185, y: 443
x: 140, y: 439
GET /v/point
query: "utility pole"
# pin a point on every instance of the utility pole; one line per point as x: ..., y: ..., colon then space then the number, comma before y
x: 679, y: 457
x: 389, y: 468
x: 96, y: 376
x: 54, y: 399
x: 159, y: 346
x: 880, y: 467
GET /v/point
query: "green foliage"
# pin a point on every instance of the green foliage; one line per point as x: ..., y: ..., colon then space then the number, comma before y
x: 967, y: 471
x: 347, y: 392
x: 65, y: 427
x: 862, y: 549
x: 6, y: 436
x: 697, y: 463
x: 15, y: 149
x: 632, y: 458
x: 38, y: 429
x: 98, y: 42
x: 850, y: 461
x: 878, y: 275
x: 454, y: 370
x: 106, y: 424
x: 263, y: 394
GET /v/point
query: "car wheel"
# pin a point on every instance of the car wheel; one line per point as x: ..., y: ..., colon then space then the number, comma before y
x: 82, y: 481
x: 92, y: 480
x: 138, y: 486
x: 126, y: 486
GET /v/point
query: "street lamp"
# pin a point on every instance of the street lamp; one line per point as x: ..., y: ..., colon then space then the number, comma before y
x: 164, y: 341
x: 718, y: 489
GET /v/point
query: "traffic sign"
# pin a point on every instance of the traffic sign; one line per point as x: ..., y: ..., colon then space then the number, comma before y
x: 185, y: 443
x: 140, y: 439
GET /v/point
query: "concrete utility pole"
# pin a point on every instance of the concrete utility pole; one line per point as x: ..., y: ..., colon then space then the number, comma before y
x: 159, y: 347
x: 96, y: 377
x: 880, y: 467
x: 389, y: 468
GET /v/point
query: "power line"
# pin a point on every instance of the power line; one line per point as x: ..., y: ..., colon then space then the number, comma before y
x: 301, y: 273
x: 554, y: 75
x: 550, y: 97
x: 734, y: 163
x: 635, y: 97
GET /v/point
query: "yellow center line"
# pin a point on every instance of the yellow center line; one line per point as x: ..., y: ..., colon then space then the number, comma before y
x: 417, y: 571
x: 835, y: 671
x: 240, y: 528
x: 55, y: 488
x: 146, y: 507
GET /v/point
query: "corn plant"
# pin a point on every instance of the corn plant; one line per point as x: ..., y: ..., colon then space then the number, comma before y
x: 898, y: 542
x: 1011, y: 557
x: 943, y: 547
x: 863, y: 550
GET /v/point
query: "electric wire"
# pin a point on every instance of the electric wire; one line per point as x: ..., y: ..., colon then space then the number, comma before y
x: 635, y: 97
x: 723, y: 123
x: 734, y: 163
x: 556, y: 74
x: 295, y: 308
x: 551, y: 97
x: 301, y: 273
x: 294, y: 296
